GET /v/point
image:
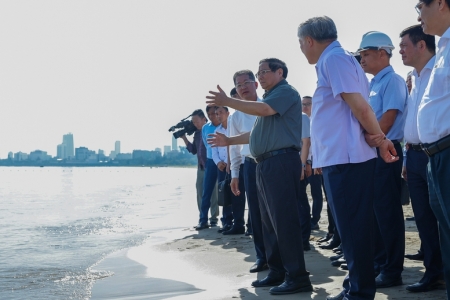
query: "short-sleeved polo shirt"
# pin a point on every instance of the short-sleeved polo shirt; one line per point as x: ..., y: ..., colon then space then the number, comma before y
x: 283, y: 129
x: 207, y: 129
x: 388, y: 91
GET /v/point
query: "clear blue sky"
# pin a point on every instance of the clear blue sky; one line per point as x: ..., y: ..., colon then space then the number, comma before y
x: 128, y: 70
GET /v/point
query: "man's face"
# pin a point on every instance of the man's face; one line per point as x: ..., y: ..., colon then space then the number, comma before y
x: 428, y: 17
x: 409, y: 52
x: 370, y: 60
x: 246, y: 87
x: 212, y: 116
x: 198, y: 122
x: 306, y: 106
x: 222, y: 115
x: 267, y: 78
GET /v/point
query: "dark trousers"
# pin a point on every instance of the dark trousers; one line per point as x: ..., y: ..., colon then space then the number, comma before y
x: 238, y: 202
x: 227, y: 214
x: 253, y: 209
x: 439, y: 188
x: 209, y: 183
x: 315, y: 182
x: 427, y: 225
x: 278, y: 181
x: 350, y: 193
x: 389, y: 221
x: 304, y: 212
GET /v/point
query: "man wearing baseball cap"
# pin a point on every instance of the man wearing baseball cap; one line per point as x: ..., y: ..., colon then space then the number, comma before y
x: 387, y: 96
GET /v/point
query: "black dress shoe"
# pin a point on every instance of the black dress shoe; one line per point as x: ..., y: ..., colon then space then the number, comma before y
x: 268, y: 281
x: 410, y: 219
x: 224, y: 228
x: 344, y: 267
x: 213, y: 224
x: 326, y: 238
x: 259, y: 266
x: 336, y: 257
x: 290, y: 286
x: 425, y: 285
x: 331, y: 245
x: 338, y: 249
x: 418, y: 256
x: 339, y: 296
x: 234, y: 230
x: 338, y: 262
x: 382, y: 281
x: 248, y: 233
x: 201, y: 226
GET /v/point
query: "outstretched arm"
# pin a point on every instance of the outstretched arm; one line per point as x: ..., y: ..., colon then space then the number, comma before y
x: 221, y: 140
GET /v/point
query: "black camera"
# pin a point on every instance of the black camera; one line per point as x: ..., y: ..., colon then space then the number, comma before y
x: 187, y: 128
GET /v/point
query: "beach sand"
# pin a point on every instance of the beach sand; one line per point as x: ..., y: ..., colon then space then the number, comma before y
x: 186, y: 264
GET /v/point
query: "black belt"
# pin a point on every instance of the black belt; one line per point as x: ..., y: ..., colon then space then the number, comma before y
x: 436, y: 147
x: 249, y: 159
x: 415, y: 147
x: 267, y: 155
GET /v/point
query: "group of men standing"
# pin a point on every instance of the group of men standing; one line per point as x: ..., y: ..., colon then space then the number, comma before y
x: 361, y: 159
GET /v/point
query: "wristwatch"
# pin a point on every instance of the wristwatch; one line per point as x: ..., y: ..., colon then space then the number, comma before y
x: 308, y: 162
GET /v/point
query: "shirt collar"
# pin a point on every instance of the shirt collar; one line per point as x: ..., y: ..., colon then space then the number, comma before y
x: 328, y: 49
x: 381, y: 74
x: 282, y: 82
x: 429, y: 66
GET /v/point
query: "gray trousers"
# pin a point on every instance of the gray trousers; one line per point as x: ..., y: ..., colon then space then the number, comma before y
x: 214, y: 209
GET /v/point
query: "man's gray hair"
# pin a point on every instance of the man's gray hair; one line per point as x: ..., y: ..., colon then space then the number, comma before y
x: 320, y: 29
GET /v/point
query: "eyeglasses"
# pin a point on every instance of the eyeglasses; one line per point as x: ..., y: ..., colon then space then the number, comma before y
x: 262, y: 73
x: 242, y: 85
x: 306, y: 104
x: 418, y: 7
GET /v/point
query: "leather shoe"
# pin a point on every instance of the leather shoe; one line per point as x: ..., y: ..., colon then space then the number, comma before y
x: 338, y: 262
x: 268, y: 281
x: 201, y: 226
x: 383, y: 281
x: 325, y: 238
x: 338, y: 249
x: 224, y: 228
x: 259, y: 266
x: 336, y: 257
x: 410, y: 218
x: 248, y: 233
x: 234, y: 230
x: 418, y: 256
x: 331, y: 245
x: 339, y: 296
x: 344, y: 267
x: 290, y: 286
x: 425, y: 285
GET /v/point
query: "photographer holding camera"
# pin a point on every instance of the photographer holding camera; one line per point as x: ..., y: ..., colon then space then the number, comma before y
x: 198, y: 147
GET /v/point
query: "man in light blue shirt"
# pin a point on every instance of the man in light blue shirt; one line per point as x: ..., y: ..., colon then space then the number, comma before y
x: 345, y: 158
x: 434, y: 121
x: 209, y: 197
x: 388, y: 96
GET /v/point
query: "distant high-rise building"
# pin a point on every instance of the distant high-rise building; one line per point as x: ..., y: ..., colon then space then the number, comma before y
x: 117, y: 147
x: 167, y: 149
x: 174, y: 144
x: 10, y: 155
x: 68, y: 142
x: 61, y: 151
x: 158, y: 150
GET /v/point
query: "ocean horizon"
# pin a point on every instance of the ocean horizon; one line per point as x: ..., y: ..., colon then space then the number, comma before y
x: 57, y: 224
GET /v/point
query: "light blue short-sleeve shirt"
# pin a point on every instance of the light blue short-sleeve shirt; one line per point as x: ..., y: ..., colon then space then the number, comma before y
x: 337, y: 137
x: 388, y: 91
x: 206, y: 130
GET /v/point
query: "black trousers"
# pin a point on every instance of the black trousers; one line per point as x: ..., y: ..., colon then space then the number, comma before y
x: 278, y: 181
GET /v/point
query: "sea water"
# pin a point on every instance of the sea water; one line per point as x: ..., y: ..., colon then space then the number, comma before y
x: 56, y: 223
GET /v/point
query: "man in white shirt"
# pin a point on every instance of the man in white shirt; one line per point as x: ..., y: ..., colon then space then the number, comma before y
x: 418, y: 50
x: 433, y: 121
x: 246, y: 86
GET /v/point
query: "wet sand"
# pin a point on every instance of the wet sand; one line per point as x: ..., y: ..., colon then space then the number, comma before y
x: 186, y: 264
